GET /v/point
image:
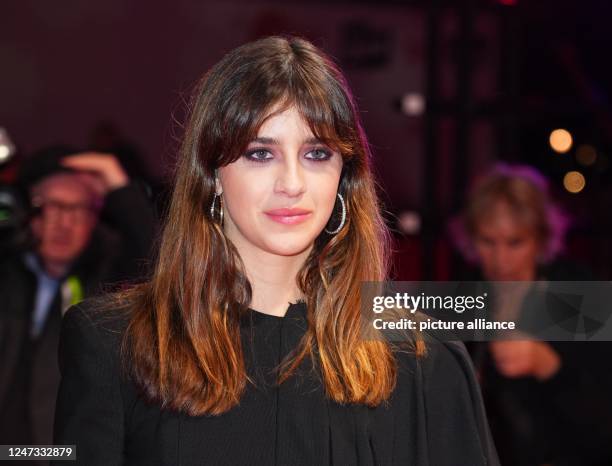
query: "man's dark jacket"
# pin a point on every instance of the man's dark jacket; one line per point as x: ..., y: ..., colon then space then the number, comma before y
x: 29, y: 375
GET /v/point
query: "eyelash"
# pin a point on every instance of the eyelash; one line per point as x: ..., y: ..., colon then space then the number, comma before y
x: 249, y: 155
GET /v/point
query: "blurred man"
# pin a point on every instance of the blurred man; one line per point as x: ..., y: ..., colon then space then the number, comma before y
x: 73, y: 253
x: 548, y: 401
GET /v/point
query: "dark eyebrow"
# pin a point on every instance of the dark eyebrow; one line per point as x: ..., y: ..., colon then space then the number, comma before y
x: 275, y: 142
x: 271, y: 141
x: 313, y: 141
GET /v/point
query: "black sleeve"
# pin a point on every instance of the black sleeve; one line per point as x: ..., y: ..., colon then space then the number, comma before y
x: 89, y: 412
x: 457, y: 429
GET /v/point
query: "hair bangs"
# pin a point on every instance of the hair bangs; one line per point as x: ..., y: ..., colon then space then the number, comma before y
x: 322, y: 117
x: 324, y: 124
x: 326, y: 105
x: 249, y: 98
x: 242, y: 114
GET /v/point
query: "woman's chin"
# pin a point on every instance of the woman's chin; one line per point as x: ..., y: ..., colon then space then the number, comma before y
x: 287, y: 246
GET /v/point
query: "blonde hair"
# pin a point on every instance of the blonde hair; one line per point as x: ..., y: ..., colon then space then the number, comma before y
x: 526, y: 192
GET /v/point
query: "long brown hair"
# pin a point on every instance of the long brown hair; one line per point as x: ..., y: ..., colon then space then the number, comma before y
x: 183, y: 338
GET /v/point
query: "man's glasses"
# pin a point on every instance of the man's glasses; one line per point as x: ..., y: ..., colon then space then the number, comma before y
x: 52, y: 209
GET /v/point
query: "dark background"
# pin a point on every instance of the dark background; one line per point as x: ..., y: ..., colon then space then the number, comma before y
x: 496, y: 77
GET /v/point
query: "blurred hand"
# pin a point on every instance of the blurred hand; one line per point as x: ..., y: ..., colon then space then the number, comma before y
x: 102, y: 170
x: 524, y: 358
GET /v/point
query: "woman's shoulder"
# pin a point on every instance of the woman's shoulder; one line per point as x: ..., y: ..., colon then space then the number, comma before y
x: 100, y: 320
x: 93, y: 399
x: 434, y: 361
x: 441, y: 351
x: 443, y: 390
x: 429, y: 351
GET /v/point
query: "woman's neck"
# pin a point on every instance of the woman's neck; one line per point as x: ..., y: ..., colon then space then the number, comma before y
x: 273, y: 279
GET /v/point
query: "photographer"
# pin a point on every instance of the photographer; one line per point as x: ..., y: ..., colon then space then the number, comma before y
x: 90, y: 225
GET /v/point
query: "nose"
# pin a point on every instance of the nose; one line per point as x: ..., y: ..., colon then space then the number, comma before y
x: 60, y: 220
x: 496, y: 256
x: 63, y: 218
x: 290, y: 178
x: 501, y: 258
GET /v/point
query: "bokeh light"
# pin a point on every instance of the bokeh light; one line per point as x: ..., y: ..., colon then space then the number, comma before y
x: 561, y: 140
x: 413, y: 104
x: 574, y: 182
x: 586, y: 155
x: 7, y: 148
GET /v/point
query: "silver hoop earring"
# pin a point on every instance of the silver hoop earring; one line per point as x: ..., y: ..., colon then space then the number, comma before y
x: 342, y: 217
x: 212, y: 209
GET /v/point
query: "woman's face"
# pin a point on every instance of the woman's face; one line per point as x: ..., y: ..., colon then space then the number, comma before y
x: 507, y: 249
x: 279, y: 195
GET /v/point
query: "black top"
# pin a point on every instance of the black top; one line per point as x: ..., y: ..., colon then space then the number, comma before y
x: 435, y: 416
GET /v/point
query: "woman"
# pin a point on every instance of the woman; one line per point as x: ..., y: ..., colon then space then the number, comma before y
x: 243, y: 348
x: 547, y: 401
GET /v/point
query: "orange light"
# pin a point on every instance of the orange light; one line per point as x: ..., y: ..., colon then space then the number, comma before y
x: 561, y: 140
x: 574, y: 182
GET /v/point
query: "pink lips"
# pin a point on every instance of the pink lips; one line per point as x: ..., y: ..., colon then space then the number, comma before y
x: 288, y: 216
